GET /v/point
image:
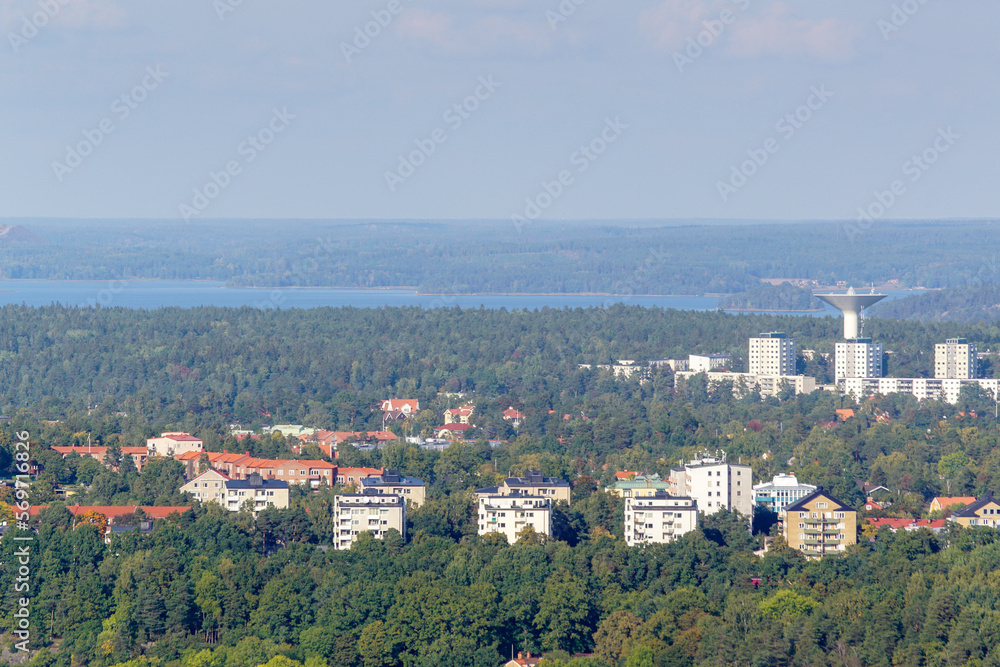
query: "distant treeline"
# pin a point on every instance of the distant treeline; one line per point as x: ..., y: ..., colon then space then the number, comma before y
x: 779, y: 298
x: 973, y: 303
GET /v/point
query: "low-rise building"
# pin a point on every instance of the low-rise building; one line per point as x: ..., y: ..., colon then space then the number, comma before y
x: 215, y: 486
x: 354, y: 514
x: 209, y: 486
x: 780, y: 492
x: 139, y: 454
x: 820, y: 524
x: 744, y: 383
x: 513, y: 416
x: 508, y: 515
x: 639, y: 486
x: 942, y: 503
x: 983, y: 512
x: 406, y: 406
x: 659, y: 518
x: 391, y: 482
x: 460, y: 415
x: 348, y: 476
x: 707, y: 362
x: 173, y: 443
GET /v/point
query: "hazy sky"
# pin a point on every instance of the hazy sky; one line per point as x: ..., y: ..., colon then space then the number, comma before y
x: 588, y: 108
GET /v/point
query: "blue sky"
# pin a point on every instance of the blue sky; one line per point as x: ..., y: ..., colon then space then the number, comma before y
x: 582, y: 109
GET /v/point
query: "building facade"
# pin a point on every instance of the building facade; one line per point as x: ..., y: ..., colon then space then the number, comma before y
x: 707, y: 362
x: 985, y: 512
x: 659, y: 518
x: 780, y: 492
x: 772, y: 354
x: 714, y: 484
x: 354, y: 514
x: 639, y: 487
x: 819, y: 524
x: 858, y: 358
x: 947, y: 390
x: 215, y: 486
x: 955, y: 358
x: 391, y: 482
x: 532, y: 484
x: 508, y: 515
x: 171, y: 444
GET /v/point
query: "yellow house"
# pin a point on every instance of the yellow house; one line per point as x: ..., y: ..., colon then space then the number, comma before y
x: 941, y: 503
x: 983, y: 512
x: 820, y: 524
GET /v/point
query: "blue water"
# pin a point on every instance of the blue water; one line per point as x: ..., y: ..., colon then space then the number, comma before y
x: 192, y: 293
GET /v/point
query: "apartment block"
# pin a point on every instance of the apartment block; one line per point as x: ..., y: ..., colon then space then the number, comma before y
x: 780, y: 492
x: 858, y: 358
x: 820, y: 524
x: 532, y: 484
x: 508, y: 515
x: 391, y: 482
x: 707, y: 362
x: 772, y: 353
x: 377, y: 514
x: 714, y: 484
x: 955, y: 358
x: 659, y: 518
x: 216, y: 486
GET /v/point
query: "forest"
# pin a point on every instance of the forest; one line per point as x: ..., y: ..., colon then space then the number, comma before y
x: 489, y: 256
x: 219, y: 589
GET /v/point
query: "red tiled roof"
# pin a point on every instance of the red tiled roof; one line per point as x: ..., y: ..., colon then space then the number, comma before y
x: 454, y: 427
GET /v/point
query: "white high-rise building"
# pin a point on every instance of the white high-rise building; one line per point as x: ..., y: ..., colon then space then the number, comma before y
x: 772, y: 354
x: 658, y: 518
x: 354, y: 514
x: 955, y: 359
x: 715, y: 484
x: 509, y: 515
x: 858, y: 358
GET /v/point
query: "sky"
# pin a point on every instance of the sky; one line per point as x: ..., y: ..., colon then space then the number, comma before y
x: 500, y: 109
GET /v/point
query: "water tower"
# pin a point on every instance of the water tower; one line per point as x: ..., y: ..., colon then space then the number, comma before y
x: 851, y: 304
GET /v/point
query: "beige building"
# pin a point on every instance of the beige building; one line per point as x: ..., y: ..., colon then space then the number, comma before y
x: 354, y: 514
x: 659, y: 518
x: 508, y: 515
x: 983, y: 512
x: 172, y: 444
x: 392, y: 482
x: 858, y: 358
x: 640, y: 487
x: 215, y: 486
x: 955, y: 358
x: 715, y: 484
x: 772, y: 354
x: 209, y: 486
x: 819, y: 524
x: 532, y: 484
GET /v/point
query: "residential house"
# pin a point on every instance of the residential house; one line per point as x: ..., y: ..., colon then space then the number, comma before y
x: 942, y: 503
x: 138, y: 454
x: 453, y: 431
x: 460, y: 415
x: 523, y: 660
x: 354, y: 514
x: 393, y: 483
x: 658, y: 518
x: 820, y: 524
x: 715, y: 484
x: 935, y: 526
x: 508, y: 515
x: 983, y: 512
x: 406, y: 406
x: 516, y: 417
x: 171, y: 444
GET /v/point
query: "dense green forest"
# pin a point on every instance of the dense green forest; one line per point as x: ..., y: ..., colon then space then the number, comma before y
x: 979, y: 302
x: 496, y: 257
x: 211, y: 588
x: 777, y: 298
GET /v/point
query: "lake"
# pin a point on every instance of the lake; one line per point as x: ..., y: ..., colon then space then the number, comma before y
x: 192, y: 293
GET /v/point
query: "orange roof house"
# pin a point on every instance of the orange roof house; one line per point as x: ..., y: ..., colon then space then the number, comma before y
x: 843, y: 414
x: 941, y: 503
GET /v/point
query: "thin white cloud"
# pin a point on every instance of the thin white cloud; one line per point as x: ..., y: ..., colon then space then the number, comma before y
x: 71, y: 14
x: 779, y: 32
x: 490, y: 34
x: 669, y: 25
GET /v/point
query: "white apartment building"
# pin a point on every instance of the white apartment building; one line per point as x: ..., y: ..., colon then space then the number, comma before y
x: 392, y: 482
x: 781, y: 491
x: 955, y: 359
x: 172, y: 444
x: 923, y: 388
x: 377, y: 514
x: 772, y: 354
x: 659, y: 518
x: 715, y: 484
x: 707, y: 362
x: 509, y: 515
x: 858, y: 358
x: 767, y: 385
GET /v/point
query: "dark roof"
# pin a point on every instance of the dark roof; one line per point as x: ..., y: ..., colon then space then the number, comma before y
x: 391, y: 477
x: 970, y: 510
x: 265, y: 484
x: 489, y: 489
x: 535, y: 478
x: 819, y: 492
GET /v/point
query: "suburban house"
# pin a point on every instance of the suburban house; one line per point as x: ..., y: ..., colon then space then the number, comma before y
x: 452, y: 431
x: 942, y: 503
x: 171, y: 444
x: 659, y: 518
x: 508, y: 515
x: 354, y: 514
x: 406, y: 406
x: 459, y: 415
x: 515, y: 417
x: 935, y: 526
x: 391, y: 482
x: 533, y: 484
x: 983, y: 512
x: 820, y: 524
x: 523, y: 660
x: 138, y: 454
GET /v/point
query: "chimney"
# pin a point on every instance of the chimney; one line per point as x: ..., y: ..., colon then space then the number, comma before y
x: 519, y: 655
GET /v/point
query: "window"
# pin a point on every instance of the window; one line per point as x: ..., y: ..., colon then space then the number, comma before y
x: 839, y: 515
x: 821, y: 506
